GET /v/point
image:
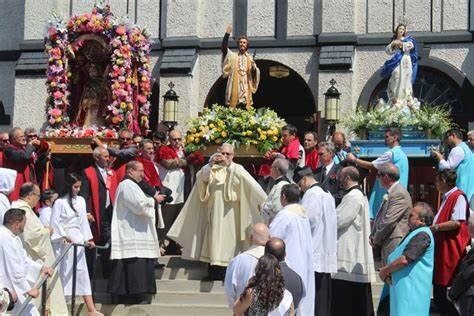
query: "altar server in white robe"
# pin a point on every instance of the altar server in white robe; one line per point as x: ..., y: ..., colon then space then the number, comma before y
x: 321, y: 210
x: 36, y: 240
x: 70, y: 225
x: 7, y: 184
x: 221, y: 206
x: 272, y: 204
x: 134, y: 241
x: 291, y: 225
x: 242, y: 267
x: 18, y: 272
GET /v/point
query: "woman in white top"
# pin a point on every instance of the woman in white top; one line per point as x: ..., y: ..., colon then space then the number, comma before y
x: 70, y: 225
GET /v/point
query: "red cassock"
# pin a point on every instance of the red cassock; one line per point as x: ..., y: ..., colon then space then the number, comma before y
x: 450, y: 247
x: 312, y: 159
x: 112, y: 184
x: 15, y: 158
x: 166, y: 153
x: 290, y: 151
x: 151, y: 174
x: 1, y: 158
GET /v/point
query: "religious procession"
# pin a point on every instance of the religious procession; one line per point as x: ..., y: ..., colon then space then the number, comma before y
x: 159, y: 159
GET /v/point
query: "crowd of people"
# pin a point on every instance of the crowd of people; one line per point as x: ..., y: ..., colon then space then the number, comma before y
x: 298, y: 237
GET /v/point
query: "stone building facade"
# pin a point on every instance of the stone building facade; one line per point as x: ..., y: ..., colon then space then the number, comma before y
x: 317, y: 40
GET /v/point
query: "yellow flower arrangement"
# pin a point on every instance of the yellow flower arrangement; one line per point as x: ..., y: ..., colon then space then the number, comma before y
x: 219, y: 124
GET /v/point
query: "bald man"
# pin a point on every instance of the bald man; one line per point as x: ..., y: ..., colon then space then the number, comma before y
x: 242, y: 267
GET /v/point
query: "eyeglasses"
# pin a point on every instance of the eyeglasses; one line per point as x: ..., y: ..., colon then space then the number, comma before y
x: 175, y: 139
x: 33, y: 136
x: 322, y: 153
x: 226, y: 154
x: 125, y: 139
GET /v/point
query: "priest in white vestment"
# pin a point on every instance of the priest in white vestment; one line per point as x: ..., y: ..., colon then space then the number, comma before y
x: 292, y: 225
x: 272, y: 204
x: 221, y: 206
x: 134, y: 241
x: 242, y: 267
x: 36, y: 240
x: 18, y: 272
x: 321, y: 210
x: 7, y: 184
x: 351, y: 288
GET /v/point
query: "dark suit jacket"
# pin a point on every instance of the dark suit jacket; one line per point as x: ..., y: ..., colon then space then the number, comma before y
x: 293, y: 283
x: 463, y: 282
x: 105, y: 213
x: 330, y: 183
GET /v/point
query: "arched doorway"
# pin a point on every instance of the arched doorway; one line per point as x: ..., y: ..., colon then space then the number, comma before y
x: 289, y: 96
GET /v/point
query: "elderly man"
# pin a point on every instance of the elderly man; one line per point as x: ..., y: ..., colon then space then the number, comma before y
x: 222, y: 204
x: 171, y: 163
x: 321, y: 212
x: 242, y: 267
x: 292, y: 225
x: 272, y: 205
x: 293, y: 283
x: 451, y: 236
x: 327, y: 172
x: 134, y: 242
x: 21, y: 156
x: 460, y: 159
x: 462, y: 287
x: 311, y: 150
x: 391, y: 223
x: 352, y: 292
x: 409, y: 269
x: 37, y: 243
x: 394, y: 155
x: 470, y: 139
x: 18, y: 272
x: 340, y: 145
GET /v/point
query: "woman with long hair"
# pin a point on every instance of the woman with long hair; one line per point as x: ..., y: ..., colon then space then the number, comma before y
x: 265, y: 293
x: 70, y: 225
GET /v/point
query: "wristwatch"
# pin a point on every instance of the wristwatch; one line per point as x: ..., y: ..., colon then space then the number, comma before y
x: 436, y: 228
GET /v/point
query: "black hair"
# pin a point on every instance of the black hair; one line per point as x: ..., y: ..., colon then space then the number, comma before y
x: 12, y: 216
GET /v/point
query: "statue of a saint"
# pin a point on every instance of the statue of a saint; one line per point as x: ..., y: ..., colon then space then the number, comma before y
x: 401, y: 69
x: 241, y: 72
x: 92, y: 64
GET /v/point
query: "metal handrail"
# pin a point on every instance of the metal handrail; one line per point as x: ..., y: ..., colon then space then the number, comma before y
x: 42, y: 280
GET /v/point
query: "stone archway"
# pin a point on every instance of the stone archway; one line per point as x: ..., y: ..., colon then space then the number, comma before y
x: 437, y: 83
x: 290, y: 96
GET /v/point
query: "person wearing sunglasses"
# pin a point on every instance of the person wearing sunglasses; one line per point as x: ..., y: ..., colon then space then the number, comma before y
x: 223, y: 203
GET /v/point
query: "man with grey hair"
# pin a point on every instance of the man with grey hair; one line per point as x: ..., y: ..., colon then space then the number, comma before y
x: 222, y: 204
x: 409, y: 270
x: 242, y: 267
x: 327, y: 173
x: 391, y: 223
x: 272, y: 204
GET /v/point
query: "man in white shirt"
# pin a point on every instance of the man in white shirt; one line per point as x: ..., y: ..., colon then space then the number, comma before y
x: 242, y: 267
x: 460, y: 159
x: 321, y: 211
x: 18, y: 272
x: 272, y: 204
x: 291, y: 225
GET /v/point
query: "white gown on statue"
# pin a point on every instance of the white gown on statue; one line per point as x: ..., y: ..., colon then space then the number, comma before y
x: 73, y: 224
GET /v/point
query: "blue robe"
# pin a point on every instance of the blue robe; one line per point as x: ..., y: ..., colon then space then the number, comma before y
x: 393, y: 62
x: 399, y: 159
x: 410, y: 291
x: 465, y: 172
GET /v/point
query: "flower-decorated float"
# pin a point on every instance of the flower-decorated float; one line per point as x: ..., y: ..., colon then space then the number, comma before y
x: 253, y: 132
x: 98, y: 79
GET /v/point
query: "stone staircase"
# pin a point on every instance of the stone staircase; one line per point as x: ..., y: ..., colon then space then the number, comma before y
x: 182, y: 289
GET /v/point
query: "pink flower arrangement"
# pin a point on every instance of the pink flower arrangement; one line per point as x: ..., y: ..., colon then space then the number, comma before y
x: 129, y: 76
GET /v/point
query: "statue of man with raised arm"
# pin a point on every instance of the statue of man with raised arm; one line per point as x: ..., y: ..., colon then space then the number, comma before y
x: 241, y: 72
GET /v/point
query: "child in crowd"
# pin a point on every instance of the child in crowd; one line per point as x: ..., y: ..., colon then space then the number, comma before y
x: 47, y: 200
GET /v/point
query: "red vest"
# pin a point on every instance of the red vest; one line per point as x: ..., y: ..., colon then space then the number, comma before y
x: 24, y: 168
x: 450, y: 247
x: 312, y: 159
x: 151, y: 175
x: 91, y: 175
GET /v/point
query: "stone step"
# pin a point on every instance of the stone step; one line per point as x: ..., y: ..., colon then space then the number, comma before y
x: 175, y: 297
x: 158, y: 309
x: 202, y: 286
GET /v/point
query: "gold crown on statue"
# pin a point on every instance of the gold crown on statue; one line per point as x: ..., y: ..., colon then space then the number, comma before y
x: 403, y: 20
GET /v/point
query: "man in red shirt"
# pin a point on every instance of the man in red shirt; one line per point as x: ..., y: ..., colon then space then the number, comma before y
x: 21, y: 156
x: 311, y: 151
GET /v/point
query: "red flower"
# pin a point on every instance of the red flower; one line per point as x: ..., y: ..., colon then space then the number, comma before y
x: 195, y: 158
